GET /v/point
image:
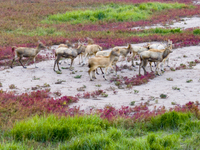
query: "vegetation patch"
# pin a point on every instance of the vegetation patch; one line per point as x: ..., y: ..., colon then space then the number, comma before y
x: 52, y: 128
x: 114, y: 12
x: 171, y: 130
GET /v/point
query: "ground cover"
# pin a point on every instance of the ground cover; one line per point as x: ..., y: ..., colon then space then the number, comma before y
x: 115, y: 129
x: 113, y: 13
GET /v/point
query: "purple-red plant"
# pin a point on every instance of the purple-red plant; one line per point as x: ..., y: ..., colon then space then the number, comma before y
x: 133, y: 81
x: 14, y: 107
x: 93, y: 94
x: 142, y: 112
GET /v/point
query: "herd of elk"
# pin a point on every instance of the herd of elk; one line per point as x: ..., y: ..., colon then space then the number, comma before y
x: 157, y: 53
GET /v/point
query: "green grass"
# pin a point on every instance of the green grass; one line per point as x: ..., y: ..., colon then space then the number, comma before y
x: 172, y: 130
x: 53, y: 128
x: 113, y: 13
x: 13, y: 146
x: 196, y: 31
x: 165, y: 31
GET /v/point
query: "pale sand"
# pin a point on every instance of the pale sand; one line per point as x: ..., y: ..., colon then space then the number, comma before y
x: 185, y: 23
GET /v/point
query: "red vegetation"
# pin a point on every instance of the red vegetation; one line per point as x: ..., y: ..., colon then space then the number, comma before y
x: 14, y: 107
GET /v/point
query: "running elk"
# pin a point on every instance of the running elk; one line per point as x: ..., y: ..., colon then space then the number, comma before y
x: 31, y: 53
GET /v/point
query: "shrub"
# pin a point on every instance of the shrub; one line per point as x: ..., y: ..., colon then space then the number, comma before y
x: 17, y: 107
x: 169, y: 79
x: 77, y: 76
x: 158, y: 143
x: 12, y: 86
x: 170, y: 120
x: 188, y: 81
x: 196, y: 31
x: 175, y: 88
x: 94, y: 141
x: 163, y: 96
x: 132, y: 103
x: 53, y: 128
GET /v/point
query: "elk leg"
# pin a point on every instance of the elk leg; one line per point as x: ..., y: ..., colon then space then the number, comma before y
x: 89, y: 72
x: 101, y: 70
x: 71, y: 64
x: 85, y: 59
x: 97, y: 72
x: 155, y: 64
x: 113, y: 69
x: 12, y: 63
x: 27, y: 61
x: 141, y: 63
x: 158, y: 68
x: 57, y: 62
x: 150, y: 66
x: 132, y: 59
x: 34, y: 62
x: 104, y: 76
x: 21, y: 62
x: 144, y: 65
x: 93, y: 74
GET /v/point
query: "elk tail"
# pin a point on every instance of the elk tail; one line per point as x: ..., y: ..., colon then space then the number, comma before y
x: 13, y: 49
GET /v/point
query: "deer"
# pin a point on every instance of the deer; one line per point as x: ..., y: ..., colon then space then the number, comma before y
x: 65, y: 52
x: 153, y: 55
x: 102, y: 62
x: 31, y: 53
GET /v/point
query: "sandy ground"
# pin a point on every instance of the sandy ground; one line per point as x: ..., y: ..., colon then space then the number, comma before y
x: 183, y: 24
x: 26, y: 79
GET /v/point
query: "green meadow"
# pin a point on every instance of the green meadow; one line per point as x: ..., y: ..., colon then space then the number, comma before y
x: 113, y: 13
x: 172, y: 130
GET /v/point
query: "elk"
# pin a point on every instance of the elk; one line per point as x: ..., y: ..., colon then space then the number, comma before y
x: 153, y: 55
x: 90, y: 41
x: 91, y: 50
x: 160, y: 47
x: 31, y: 53
x: 123, y: 52
x: 67, y: 44
x: 65, y: 52
x: 102, y: 62
x: 136, y: 50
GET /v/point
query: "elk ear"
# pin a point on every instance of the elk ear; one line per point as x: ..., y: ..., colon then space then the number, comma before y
x: 39, y: 42
x: 67, y: 41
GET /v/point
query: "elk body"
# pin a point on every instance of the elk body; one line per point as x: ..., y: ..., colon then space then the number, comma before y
x: 123, y: 52
x: 91, y: 50
x: 65, y: 52
x: 31, y: 53
x: 153, y: 55
x: 161, y: 47
x: 90, y: 41
x: 102, y: 62
x: 136, y: 50
x: 67, y: 45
